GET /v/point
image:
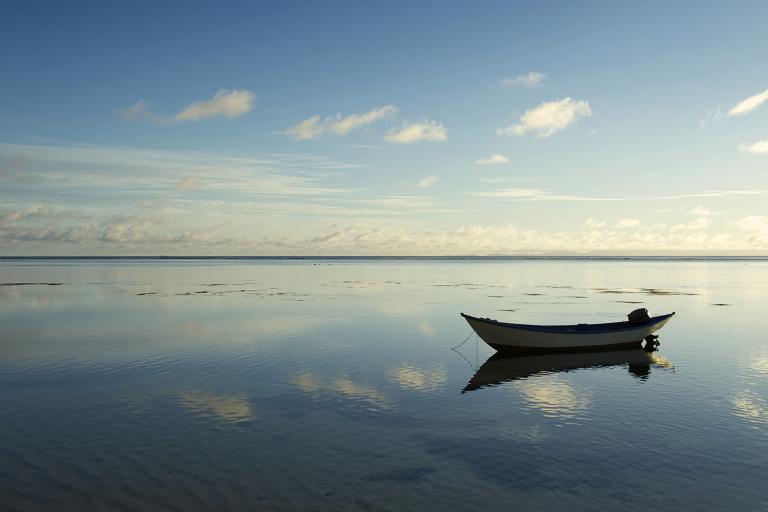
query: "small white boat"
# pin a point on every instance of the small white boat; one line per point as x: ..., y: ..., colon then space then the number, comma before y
x: 508, y: 337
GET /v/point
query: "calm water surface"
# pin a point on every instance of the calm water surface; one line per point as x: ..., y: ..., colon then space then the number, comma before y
x: 331, y: 385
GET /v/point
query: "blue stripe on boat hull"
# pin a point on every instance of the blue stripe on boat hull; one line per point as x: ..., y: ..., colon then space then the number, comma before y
x: 510, y: 349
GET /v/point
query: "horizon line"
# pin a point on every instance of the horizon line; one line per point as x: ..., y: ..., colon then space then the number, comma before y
x: 387, y: 257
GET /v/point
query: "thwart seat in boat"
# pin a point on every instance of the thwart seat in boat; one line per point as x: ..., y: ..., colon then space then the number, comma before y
x: 509, y: 337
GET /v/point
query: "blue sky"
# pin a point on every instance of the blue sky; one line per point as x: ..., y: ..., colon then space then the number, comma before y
x: 362, y: 128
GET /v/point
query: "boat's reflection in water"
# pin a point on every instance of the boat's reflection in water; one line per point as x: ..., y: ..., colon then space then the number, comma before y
x: 500, y: 368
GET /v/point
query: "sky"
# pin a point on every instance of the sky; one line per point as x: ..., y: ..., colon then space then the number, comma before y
x: 384, y: 128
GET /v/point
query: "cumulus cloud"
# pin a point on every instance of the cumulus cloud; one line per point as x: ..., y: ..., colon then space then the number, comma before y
x: 696, y: 224
x: 531, y: 79
x: 748, y: 105
x: 493, y: 160
x: 701, y: 211
x: 753, y: 223
x: 431, y: 131
x: 428, y: 181
x: 548, y: 117
x: 225, y: 103
x: 757, y: 148
x: 628, y: 223
x: 338, y: 124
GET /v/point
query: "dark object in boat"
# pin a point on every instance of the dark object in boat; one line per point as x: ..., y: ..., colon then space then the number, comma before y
x: 639, y: 316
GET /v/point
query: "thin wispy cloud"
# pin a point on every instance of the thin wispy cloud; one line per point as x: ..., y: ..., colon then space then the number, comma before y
x: 548, y: 118
x: 224, y: 103
x: 139, y: 110
x: 494, y: 159
x: 189, y: 183
x: 749, y: 104
x: 90, y: 169
x: 716, y: 114
x: 758, y: 148
x: 338, y: 125
x: 531, y: 79
x: 531, y: 194
x: 430, y: 131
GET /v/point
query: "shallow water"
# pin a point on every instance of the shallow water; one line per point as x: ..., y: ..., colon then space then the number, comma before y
x: 331, y: 385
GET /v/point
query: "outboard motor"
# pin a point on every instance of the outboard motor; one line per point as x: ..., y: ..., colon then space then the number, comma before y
x: 639, y: 316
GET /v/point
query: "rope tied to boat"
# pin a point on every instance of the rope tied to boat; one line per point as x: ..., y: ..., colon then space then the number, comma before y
x: 463, y: 342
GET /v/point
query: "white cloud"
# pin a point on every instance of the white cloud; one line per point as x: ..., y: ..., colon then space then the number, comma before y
x: 748, y: 105
x: 696, y: 224
x: 531, y: 79
x: 431, y: 131
x: 759, y: 148
x: 493, y: 159
x: 224, y: 103
x: 532, y: 194
x: 592, y: 223
x: 338, y: 124
x: 428, y: 181
x: 756, y: 227
x: 701, y: 211
x: 548, y: 117
x: 753, y: 223
x: 513, y: 193
x: 628, y: 223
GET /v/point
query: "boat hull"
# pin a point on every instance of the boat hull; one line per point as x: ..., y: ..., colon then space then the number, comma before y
x: 505, y: 337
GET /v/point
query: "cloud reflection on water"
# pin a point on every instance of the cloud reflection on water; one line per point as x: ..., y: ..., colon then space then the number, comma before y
x: 411, y: 377
x: 554, y: 397
x: 342, y: 386
x: 760, y: 363
x: 228, y: 408
x: 750, y: 407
